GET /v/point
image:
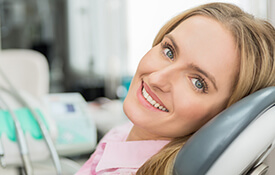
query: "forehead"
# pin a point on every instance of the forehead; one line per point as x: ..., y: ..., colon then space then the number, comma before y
x: 207, y: 43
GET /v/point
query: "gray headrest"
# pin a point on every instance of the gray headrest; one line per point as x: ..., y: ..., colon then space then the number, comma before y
x: 207, y: 144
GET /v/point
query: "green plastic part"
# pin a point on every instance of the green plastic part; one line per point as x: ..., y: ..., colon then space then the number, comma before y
x: 26, y: 120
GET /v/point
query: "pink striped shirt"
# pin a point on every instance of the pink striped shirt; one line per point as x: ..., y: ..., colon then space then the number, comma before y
x: 114, y: 155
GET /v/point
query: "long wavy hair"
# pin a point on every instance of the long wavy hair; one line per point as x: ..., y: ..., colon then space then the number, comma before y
x: 255, y: 39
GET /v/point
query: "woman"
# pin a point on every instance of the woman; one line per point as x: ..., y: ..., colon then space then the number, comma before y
x: 202, y: 61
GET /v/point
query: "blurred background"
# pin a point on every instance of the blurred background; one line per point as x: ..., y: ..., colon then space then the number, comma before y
x: 94, y: 46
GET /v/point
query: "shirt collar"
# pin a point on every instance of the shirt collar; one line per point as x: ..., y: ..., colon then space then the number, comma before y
x: 130, y: 154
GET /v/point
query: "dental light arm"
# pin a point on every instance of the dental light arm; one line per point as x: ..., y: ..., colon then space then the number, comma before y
x: 42, y: 126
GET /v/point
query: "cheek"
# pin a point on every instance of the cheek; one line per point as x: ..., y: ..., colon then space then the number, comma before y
x: 130, y: 107
x: 194, y: 112
x: 146, y: 63
x: 150, y: 62
x: 127, y: 106
x: 200, y: 111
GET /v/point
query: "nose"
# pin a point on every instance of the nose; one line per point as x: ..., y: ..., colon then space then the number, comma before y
x: 162, y: 79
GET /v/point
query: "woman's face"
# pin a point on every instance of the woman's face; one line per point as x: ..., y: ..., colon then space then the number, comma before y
x: 183, y: 81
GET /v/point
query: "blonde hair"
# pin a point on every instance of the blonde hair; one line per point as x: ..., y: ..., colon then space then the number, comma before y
x: 255, y: 39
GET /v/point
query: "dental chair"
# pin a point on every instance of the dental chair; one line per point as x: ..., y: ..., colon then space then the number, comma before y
x: 238, y: 141
x: 26, y: 69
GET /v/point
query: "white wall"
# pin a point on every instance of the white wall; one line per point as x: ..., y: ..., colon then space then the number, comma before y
x: 146, y: 17
x: 271, y: 11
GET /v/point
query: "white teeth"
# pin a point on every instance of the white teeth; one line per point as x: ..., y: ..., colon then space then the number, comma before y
x: 156, y: 105
x: 151, y: 101
x: 146, y: 95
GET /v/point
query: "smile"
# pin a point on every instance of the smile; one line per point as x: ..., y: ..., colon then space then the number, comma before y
x: 152, y: 101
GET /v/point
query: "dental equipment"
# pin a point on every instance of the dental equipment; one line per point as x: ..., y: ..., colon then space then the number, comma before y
x: 77, y: 132
x: 42, y: 126
x: 2, y: 154
x: 24, y: 151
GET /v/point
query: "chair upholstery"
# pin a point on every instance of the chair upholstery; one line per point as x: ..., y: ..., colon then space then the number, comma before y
x: 28, y: 70
x: 220, y: 145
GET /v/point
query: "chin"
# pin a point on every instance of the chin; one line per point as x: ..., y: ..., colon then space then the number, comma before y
x: 131, y: 110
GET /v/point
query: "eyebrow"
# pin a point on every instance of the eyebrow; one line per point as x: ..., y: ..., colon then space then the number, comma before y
x: 209, y: 76
x: 171, y: 38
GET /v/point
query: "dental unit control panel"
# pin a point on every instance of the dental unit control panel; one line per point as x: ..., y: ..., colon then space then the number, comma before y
x: 76, y: 128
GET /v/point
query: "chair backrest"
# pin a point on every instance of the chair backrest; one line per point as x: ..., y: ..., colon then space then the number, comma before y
x: 238, y: 139
x: 26, y: 69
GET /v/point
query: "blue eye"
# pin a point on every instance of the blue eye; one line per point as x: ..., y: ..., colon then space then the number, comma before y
x: 169, y: 53
x: 200, y: 84
x: 168, y: 50
x: 197, y: 83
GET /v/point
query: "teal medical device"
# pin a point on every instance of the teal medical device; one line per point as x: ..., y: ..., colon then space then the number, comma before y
x: 77, y: 132
x: 27, y: 122
x: 20, y: 138
x: 24, y: 152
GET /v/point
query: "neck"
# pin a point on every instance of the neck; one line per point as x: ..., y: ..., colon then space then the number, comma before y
x: 137, y: 134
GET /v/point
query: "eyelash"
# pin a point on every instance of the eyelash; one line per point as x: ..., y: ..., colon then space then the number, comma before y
x: 166, y: 45
x: 203, y: 82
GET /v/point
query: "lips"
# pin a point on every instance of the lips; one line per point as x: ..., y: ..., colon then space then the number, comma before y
x: 152, y: 98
